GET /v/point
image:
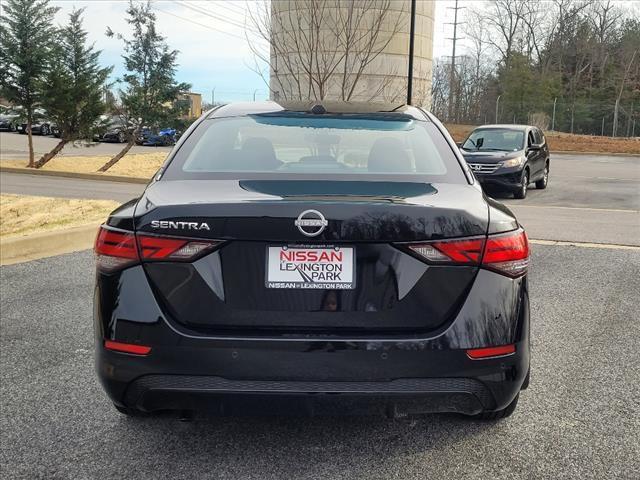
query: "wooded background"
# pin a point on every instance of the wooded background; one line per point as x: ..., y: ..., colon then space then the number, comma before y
x: 522, y: 57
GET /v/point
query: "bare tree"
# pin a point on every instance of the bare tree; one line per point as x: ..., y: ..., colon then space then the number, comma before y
x: 316, y: 48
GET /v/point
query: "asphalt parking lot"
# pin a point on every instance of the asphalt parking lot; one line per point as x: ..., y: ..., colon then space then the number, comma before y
x: 580, y: 418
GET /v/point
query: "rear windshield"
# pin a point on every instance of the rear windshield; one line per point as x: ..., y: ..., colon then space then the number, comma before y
x: 332, y: 147
x: 495, y: 139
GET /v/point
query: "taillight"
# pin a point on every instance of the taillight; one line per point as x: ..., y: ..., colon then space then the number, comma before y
x: 117, y: 249
x: 168, y: 248
x: 505, y: 253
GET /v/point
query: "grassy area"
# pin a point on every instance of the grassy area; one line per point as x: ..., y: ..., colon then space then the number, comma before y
x: 133, y: 165
x: 24, y: 215
x: 566, y: 142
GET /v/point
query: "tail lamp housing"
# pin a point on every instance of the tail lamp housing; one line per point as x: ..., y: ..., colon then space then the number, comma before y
x: 118, y: 249
x: 505, y: 253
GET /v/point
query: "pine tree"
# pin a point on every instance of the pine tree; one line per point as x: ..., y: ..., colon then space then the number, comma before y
x: 149, y: 97
x: 74, y: 86
x: 26, y: 31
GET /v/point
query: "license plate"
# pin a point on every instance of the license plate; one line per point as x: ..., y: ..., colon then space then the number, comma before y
x: 311, y: 267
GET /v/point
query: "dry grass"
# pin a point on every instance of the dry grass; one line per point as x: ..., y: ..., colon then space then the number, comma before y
x: 24, y: 215
x: 142, y: 165
x: 566, y: 142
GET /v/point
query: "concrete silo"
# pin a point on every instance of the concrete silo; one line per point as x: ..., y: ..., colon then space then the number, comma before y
x: 355, y: 50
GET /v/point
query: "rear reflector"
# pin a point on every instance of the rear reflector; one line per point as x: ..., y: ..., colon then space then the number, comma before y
x: 505, y: 253
x: 490, y: 352
x: 126, y: 347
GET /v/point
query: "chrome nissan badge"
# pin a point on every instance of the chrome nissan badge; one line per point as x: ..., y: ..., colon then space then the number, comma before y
x: 311, y: 223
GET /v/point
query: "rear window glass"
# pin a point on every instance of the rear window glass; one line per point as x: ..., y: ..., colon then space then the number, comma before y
x: 285, y: 145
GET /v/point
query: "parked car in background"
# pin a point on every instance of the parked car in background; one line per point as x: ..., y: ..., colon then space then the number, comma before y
x: 116, y: 131
x: 508, y: 157
x: 165, y: 137
x: 9, y: 120
x: 39, y: 127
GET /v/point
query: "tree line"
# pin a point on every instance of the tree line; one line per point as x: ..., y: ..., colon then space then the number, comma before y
x: 567, y: 65
x: 54, y: 71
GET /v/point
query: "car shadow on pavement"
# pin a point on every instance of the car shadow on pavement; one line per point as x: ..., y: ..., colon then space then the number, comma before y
x: 318, y: 447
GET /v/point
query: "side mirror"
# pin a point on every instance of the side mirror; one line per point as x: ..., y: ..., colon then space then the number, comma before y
x: 534, y: 147
x: 459, y: 144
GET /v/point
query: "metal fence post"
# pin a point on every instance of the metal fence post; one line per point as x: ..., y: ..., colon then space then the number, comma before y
x: 553, y: 118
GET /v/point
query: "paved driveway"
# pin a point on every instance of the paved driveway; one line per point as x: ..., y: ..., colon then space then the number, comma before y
x: 14, y: 146
x: 579, y: 419
x: 590, y: 198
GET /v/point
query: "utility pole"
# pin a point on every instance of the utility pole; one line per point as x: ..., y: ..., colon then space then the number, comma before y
x: 452, y: 74
x: 412, y: 34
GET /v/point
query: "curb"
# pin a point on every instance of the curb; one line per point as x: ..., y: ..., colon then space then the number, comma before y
x: 18, y: 249
x: 83, y: 176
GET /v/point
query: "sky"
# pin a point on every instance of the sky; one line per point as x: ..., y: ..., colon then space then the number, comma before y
x: 210, y: 35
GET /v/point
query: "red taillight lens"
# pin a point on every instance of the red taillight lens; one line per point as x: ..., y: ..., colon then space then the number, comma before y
x: 505, y: 253
x: 167, y: 248
x: 126, y: 347
x: 490, y: 352
x: 508, y: 253
x: 115, y: 249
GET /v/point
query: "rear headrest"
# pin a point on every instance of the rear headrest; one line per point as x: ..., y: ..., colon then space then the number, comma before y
x: 258, y: 154
x: 388, y: 155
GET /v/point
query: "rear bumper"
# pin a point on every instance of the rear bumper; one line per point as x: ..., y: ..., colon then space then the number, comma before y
x: 332, y: 378
x: 314, y: 373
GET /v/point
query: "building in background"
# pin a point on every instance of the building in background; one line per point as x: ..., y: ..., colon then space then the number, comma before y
x: 192, y: 105
x: 351, y: 51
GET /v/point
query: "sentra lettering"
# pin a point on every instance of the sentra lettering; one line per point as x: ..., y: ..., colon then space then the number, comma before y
x: 169, y: 224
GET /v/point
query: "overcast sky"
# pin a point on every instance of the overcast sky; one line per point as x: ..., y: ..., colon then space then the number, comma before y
x: 212, y: 45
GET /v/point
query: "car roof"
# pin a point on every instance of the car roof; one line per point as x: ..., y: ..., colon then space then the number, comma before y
x: 238, y: 109
x: 505, y: 126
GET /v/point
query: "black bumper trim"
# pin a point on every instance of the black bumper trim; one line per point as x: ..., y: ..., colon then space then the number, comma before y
x: 147, y: 392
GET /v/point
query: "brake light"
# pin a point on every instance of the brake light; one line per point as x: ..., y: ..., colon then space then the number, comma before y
x: 505, y: 253
x: 508, y: 253
x: 115, y: 249
x: 491, y: 352
x: 126, y: 347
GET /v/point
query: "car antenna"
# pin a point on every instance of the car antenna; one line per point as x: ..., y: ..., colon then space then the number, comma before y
x: 318, y: 109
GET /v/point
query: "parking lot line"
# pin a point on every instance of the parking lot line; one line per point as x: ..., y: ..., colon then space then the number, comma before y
x: 608, y: 246
x: 589, y: 209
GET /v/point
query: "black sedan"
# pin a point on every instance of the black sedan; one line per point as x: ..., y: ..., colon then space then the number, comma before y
x: 304, y: 260
x: 8, y: 122
x: 39, y: 127
x: 508, y: 157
